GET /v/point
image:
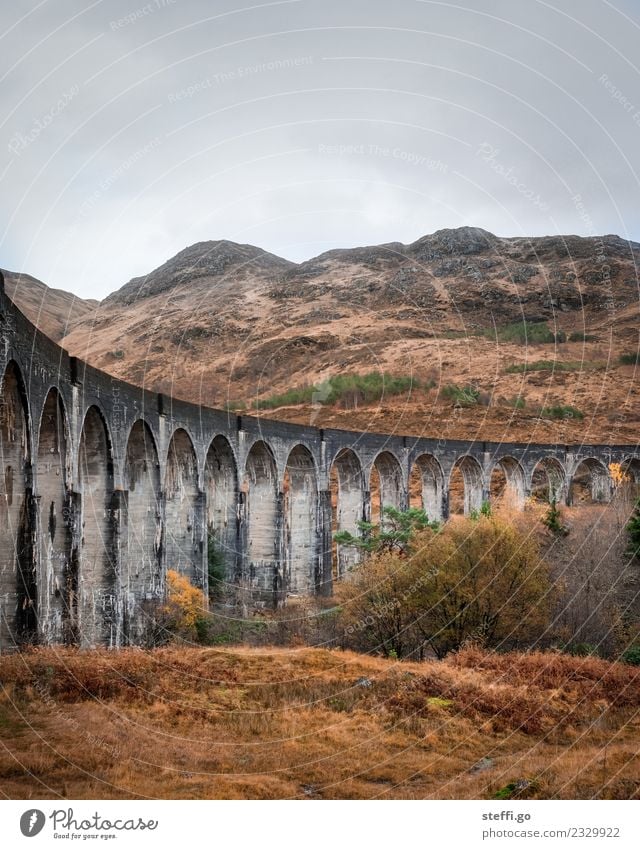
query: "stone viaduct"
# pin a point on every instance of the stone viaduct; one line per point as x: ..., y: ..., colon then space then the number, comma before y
x: 105, y: 486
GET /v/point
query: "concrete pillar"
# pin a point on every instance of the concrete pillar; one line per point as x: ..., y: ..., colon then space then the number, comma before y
x: 200, y: 543
x: 325, y: 544
x: 26, y: 558
x: 570, y: 466
x: 280, y: 580
x: 243, y: 580
x: 445, y: 502
x: 74, y: 519
x: 113, y: 596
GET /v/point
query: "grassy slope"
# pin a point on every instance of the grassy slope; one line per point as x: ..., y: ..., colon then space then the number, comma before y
x: 285, y: 723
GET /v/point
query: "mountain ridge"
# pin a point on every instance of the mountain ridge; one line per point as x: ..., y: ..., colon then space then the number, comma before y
x: 223, y: 323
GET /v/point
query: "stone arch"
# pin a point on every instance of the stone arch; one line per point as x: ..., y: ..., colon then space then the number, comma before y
x: 390, y: 490
x: 93, y: 605
x: 53, y: 474
x: 348, y: 506
x: 427, y: 481
x: 221, y: 491
x: 17, y: 575
x: 470, y: 482
x: 507, y: 483
x: 184, y: 544
x: 300, y: 491
x: 590, y: 482
x: 630, y: 467
x: 141, y: 579
x: 548, y: 480
x: 264, y: 523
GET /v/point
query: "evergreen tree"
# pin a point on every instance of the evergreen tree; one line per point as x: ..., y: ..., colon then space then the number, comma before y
x: 633, y: 531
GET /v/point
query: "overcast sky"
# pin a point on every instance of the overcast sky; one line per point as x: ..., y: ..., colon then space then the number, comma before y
x: 131, y: 129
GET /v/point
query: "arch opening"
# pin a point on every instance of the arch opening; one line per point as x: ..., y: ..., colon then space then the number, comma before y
x: 590, y: 483
x: 507, y: 484
x: 142, y: 584
x: 300, y: 492
x: 386, y: 486
x: 264, y: 525
x: 54, y: 532
x: 347, y: 507
x: 630, y: 468
x: 426, y: 487
x: 93, y: 604
x: 183, y: 532
x: 221, y: 489
x: 465, y: 487
x: 548, y: 481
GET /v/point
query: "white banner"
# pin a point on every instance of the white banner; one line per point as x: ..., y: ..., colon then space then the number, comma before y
x: 336, y: 824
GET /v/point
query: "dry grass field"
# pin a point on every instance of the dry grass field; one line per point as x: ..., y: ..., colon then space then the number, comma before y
x: 273, y: 723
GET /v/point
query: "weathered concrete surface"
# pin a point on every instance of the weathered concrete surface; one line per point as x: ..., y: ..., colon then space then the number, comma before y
x: 104, y: 486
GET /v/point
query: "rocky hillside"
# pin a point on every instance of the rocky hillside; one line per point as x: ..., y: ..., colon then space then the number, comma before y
x: 222, y: 323
x: 52, y: 310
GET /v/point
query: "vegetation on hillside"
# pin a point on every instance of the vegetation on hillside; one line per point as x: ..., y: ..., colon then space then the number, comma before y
x: 561, y: 411
x: 551, y: 365
x: 526, y: 333
x: 348, y: 389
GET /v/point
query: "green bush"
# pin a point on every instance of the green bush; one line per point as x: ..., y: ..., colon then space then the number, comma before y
x: 633, y: 532
x: 579, y: 336
x: 630, y: 359
x: 464, y: 396
x: 631, y: 656
x: 526, y: 333
x: 344, y: 388
x: 393, y: 534
x: 560, y: 411
x: 553, y: 520
x: 518, y: 403
x: 547, y: 365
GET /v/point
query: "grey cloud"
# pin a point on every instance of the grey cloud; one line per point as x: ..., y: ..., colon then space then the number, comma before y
x: 132, y: 129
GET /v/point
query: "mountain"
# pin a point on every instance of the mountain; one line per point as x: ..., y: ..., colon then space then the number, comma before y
x: 228, y: 324
x: 198, y: 266
x: 52, y: 310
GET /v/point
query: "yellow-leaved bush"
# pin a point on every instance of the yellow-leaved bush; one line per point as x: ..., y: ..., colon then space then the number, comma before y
x: 185, y: 605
